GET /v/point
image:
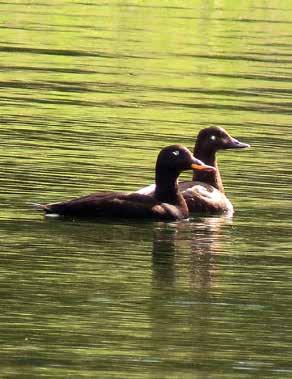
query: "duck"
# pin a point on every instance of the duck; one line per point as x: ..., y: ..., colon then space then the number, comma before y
x: 205, y: 192
x: 166, y: 203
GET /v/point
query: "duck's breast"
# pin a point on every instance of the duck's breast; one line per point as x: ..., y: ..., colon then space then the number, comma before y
x: 202, y: 197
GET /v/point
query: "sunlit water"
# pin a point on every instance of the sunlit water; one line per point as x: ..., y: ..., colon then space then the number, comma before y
x: 89, y: 93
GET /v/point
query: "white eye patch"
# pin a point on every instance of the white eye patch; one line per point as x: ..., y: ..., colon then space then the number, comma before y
x: 175, y: 152
x: 213, y: 138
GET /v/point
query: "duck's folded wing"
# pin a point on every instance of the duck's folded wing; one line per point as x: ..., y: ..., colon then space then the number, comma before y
x: 80, y: 206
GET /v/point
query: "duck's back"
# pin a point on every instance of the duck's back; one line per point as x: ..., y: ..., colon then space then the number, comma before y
x: 114, y: 204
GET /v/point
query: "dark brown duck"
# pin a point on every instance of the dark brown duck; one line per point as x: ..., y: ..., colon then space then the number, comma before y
x: 166, y: 203
x: 205, y: 192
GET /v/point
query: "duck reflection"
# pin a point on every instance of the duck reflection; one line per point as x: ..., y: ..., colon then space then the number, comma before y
x: 190, y: 247
x: 182, y: 298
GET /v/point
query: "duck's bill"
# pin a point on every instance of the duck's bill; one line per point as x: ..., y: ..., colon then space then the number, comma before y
x: 235, y: 144
x: 202, y: 167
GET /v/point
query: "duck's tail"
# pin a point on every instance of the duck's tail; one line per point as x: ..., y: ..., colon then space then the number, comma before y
x: 38, y: 207
x: 44, y: 208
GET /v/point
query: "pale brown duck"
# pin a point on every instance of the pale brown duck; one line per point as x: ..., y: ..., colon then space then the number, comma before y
x: 205, y: 192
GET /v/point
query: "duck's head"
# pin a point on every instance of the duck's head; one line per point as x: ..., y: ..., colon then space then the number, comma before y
x: 215, y: 138
x: 177, y: 158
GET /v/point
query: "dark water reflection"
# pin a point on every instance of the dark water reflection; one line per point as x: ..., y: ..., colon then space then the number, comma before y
x: 89, y: 93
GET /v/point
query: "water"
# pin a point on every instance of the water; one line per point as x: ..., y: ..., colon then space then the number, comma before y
x: 89, y: 93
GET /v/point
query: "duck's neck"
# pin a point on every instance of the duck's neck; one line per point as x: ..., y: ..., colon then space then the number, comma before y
x: 166, y: 189
x: 212, y: 178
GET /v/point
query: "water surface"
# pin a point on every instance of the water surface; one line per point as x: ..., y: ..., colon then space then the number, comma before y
x: 89, y: 93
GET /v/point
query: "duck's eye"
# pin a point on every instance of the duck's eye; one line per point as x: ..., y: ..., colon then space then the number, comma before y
x: 213, y: 138
x: 175, y: 152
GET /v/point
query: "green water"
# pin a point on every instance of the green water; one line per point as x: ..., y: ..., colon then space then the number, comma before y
x: 89, y: 93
